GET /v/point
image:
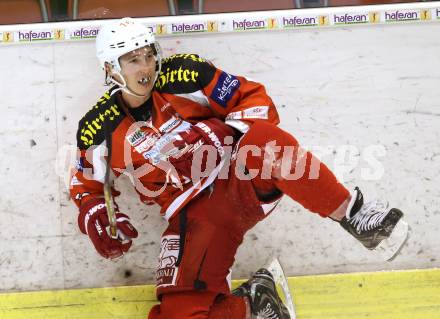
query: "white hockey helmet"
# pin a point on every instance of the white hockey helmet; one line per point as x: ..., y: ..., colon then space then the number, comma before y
x: 120, y: 37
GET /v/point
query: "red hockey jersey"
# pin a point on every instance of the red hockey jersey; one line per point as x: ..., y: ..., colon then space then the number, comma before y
x: 187, y: 90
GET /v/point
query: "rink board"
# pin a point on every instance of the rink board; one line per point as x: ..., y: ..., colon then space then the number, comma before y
x: 413, y: 294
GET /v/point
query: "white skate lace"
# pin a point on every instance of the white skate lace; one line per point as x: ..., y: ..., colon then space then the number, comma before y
x: 267, y: 313
x: 370, y: 216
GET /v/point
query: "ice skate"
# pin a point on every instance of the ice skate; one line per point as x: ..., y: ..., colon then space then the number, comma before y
x: 263, y: 296
x: 376, y: 226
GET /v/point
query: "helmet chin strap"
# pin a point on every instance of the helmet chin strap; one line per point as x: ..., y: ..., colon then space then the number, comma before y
x: 123, y: 86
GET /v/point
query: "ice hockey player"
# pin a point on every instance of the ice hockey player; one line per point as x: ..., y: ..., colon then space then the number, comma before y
x: 204, y: 145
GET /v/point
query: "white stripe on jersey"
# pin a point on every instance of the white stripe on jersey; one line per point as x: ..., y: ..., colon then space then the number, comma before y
x: 197, y: 96
x: 239, y: 125
x: 192, y: 192
x: 99, y: 162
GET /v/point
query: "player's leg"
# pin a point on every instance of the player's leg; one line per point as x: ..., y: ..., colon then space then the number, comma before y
x: 198, y: 250
x: 262, y: 295
x: 375, y: 225
x: 199, y: 305
x: 228, y: 306
x: 199, y: 246
x: 257, y: 298
x: 300, y: 175
x: 183, y: 305
x: 282, y: 164
x: 190, y: 287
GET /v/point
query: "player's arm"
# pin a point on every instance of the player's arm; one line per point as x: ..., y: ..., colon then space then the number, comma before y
x: 237, y: 99
x: 87, y: 192
x: 86, y: 184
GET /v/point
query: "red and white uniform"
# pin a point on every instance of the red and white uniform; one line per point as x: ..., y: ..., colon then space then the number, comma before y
x: 188, y: 89
x: 207, y: 222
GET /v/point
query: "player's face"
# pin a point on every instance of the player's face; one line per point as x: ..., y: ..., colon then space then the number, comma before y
x: 138, y: 68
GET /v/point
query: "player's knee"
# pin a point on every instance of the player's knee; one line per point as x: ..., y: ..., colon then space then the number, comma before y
x: 184, y: 305
x: 228, y: 307
x: 264, y: 146
x: 262, y: 133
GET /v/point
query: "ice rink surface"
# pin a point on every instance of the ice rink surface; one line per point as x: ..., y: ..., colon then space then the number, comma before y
x: 352, y: 92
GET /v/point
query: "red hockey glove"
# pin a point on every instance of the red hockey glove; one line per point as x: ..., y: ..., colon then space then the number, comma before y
x: 93, y: 221
x: 210, y: 132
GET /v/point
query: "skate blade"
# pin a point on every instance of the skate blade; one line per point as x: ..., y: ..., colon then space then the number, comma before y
x: 277, y: 272
x: 390, y: 247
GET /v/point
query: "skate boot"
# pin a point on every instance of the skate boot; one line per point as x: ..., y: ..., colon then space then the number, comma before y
x: 263, y: 297
x: 375, y: 225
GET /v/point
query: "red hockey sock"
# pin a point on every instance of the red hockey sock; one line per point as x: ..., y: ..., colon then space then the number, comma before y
x: 228, y: 307
x: 296, y: 172
x: 184, y: 305
x: 199, y: 305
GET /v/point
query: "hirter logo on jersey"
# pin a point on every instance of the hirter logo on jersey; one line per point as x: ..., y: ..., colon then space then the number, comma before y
x: 225, y: 88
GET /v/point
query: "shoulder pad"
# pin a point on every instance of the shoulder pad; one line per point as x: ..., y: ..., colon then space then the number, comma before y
x: 91, y: 128
x: 184, y: 73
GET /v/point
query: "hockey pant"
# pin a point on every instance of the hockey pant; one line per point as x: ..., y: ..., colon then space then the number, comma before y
x: 199, y: 246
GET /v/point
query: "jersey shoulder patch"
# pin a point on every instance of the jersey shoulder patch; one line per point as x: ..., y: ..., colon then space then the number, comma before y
x: 105, y: 114
x: 184, y: 73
